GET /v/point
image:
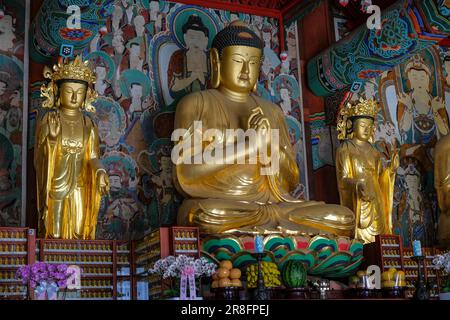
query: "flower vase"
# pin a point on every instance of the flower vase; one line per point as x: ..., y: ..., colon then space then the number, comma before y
x: 40, y: 292
x: 52, y: 291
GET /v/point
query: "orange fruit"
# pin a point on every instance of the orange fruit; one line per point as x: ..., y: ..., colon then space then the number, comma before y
x: 235, y: 273
x: 215, y: 276
x: 224, y: 282
x: 223, y: 273
x: 215, y: 284
x: 226, y: 264
x: 236, y: 283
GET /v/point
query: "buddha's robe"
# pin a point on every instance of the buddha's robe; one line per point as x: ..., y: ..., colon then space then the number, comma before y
x: 66, y: 168
x: 353, y: 164
x: 238, y: 198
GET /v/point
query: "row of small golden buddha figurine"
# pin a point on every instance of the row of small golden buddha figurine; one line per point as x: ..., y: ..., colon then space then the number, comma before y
x: 76, y: 258
x: 12, y: 247
x: 185, y: 246
x: 96, y: 270
x: 12, y: 234
x: 7, y: 275
x: 391, y: 252
x: 96, y: 283
x: 13, y: 289
x: 17, y: 261
x: 96, y: 294
x: 76, y: 246
x: 183, y: 235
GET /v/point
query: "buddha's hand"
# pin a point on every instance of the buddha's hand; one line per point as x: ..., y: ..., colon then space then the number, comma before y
x: 362, y: 190
x: 260, y: 123
x: 102, y: 182
x: 54, y: 125
x: 405, y: 99
x: 437, y: 103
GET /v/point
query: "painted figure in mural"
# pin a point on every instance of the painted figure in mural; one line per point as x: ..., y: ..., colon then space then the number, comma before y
x: 7, y: 36
x: 364, y: 185
x: 188, y: 68
x: 69, y: 174
x: 285, y: 95
x: 442, y: 185
x: 421, y: 116
x: 239, y: 198
x: 414, y: 220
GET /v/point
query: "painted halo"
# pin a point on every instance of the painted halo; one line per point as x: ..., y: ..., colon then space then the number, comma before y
x: 291, y: 82
x: 181, y: 14
x: 131, y: 76
x: 107, y: 61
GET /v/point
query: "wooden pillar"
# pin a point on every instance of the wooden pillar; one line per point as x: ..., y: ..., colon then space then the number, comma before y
x: 315, y: 35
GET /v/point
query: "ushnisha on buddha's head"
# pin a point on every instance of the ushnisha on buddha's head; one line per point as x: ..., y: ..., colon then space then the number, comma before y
x: 70, y: 85
x: 236, y: 55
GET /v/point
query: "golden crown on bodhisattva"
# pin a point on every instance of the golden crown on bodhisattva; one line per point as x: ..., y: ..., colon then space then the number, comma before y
x: 73, y: 70
x: 367, y: 108
x: 362, y: 108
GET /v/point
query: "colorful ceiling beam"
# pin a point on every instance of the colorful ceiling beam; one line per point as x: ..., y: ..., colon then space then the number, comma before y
x: 50, y: 31
x: 407, y: 27
x: 49, y: 28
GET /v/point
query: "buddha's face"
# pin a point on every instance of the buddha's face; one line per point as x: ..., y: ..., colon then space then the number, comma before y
x: 72, y: 94
x: 419, y: 79
x: 196, y: 39
x: 362, y: 129
x: 239, y: 68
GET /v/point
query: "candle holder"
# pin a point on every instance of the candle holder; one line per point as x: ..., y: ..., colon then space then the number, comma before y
x: 421, y: 292
x: 261, y: 290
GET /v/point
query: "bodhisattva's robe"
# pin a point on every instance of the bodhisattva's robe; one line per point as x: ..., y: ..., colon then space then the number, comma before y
x: 239, y: 199
x: 353, y: 164
x: 66, y: 167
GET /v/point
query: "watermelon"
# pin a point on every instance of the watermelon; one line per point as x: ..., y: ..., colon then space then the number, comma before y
x: 293, y: 274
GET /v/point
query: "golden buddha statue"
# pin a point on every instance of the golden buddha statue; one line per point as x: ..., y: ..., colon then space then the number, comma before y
x: 442, y: 185
x: 364, y: 185
x: 70, y: 178
x: 235, y: 195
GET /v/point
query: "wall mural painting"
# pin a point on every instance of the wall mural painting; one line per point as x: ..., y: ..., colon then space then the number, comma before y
x: 323, y: 141
x: 414, y: 111
x: 153, y: 54
x: 11, y: 107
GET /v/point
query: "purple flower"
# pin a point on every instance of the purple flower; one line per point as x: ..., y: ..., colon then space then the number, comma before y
x: 62, y: 267
x: 62, y: 283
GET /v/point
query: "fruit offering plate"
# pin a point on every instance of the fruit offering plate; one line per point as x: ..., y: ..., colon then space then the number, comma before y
x: 324, y: 256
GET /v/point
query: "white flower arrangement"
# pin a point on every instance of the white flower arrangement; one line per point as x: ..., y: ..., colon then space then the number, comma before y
x: 442, y: 261
x: 172, y: 267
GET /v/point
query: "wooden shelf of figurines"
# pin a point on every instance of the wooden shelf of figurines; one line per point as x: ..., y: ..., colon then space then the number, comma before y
x: 385, y: 252
x: 122, y: 269
x: 95, y: 259
x: 185, y: 241
x: 432, y: 276
x: 15, y: 245
x: 154, y: 246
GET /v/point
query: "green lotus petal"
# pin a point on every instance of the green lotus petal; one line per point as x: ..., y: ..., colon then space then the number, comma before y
x: 231, y: 243
x: 307, y: 257
x: 337, y: 261
x: 274, y: 242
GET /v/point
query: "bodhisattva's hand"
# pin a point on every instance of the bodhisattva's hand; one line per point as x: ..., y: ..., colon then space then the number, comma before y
x: 103, y: 182
x: 54, y: 125
x: 362, y: 191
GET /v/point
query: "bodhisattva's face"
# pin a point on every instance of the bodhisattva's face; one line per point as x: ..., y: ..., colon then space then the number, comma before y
x: 363, y: 129
x: 239, y: 68
x: 72, y: 94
